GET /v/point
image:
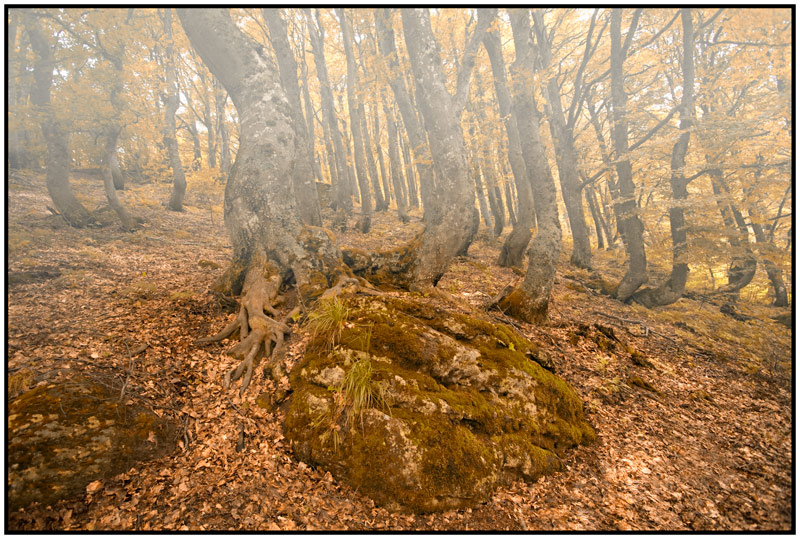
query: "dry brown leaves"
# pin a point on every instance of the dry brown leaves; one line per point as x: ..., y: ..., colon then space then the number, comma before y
x: 680, y: 461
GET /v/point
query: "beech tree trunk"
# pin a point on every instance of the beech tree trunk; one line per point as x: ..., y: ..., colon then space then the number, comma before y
x: 305, y: 190
x: 395, y: 164
x: 220, y: 99
x: 531, y: 299
x: 449, y: 229
x: 343, y: 201
x: 673, y: 288
x: 57, y: 161
x: 773, y: 271
x: 270, y: 242
x: 356, y: 122
x: 376, y: 138
x: 309, y: 108
x: 127, y: 221
x: 416, y: 134
x: 18, y: 155
x: 380, y: 200
x: 628, y: 221
x: 566, y: 155
x: 742, y: 268
x: 513, y: 249
x: 411, y: 179
x: 171, y: 106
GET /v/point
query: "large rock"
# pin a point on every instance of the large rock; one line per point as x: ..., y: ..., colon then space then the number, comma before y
x: 63, y: 435
x: 455, y: 406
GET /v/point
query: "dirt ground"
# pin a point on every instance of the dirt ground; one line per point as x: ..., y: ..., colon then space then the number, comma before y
x: 707, y: 447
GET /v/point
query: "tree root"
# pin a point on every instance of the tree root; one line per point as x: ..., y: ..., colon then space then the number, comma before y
x: 262, y: 330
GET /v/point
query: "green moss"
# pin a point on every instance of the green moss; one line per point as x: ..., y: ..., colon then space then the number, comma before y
x: 437, y: 441
x: 64, y: 435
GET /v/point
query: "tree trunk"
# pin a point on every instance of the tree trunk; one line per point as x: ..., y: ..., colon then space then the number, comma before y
x: 376, y: 137
x: 530, y: 300
x: 380, y: 201
x: 220, y: 99
x: 309, y: 108
x: 511, y: 254
x: 171, y: 107
x: 475, y: 171
x: 566, y: 155
x: 270, y: 243
x: 395, y: 164
x: 672, y: 289
x: 596, y: 217
x: 344, y: 203
x: 628, y: 221
x: 773, y: 271
x: 411, y: 180
x: 486, y: 153
x: 449, y: 229
x: 414, y: 129
x: 127, y: 221
x: 58, y: 155
x: 16, y: 152
x: 742, y: 268
x: 305, y: 190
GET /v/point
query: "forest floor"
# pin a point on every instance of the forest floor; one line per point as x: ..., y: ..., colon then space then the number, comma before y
x: 708, y: 447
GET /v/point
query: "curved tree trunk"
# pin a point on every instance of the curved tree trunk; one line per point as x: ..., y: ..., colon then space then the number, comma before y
x: 513, y: 250
x: 773, y: 271
x: 628, y: 221
x: 270, y: 243
x: 566, y: 155
x: 530, y: 301
x: 58, y: 155
x: 170, y: 140
x: 672, y: 289
x: 305, y: 190
x: 486, y: 152
x: 127, y: 221
x: 380, y: 201
x: 742, y: 268
x: 448, y: 231
x: 596, y: 216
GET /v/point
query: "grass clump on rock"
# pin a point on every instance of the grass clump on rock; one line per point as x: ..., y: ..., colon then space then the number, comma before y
x: 448, y: 406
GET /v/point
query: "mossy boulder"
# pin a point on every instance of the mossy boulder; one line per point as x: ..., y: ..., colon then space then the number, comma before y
x: 455, y: 406
x: 63, y: 435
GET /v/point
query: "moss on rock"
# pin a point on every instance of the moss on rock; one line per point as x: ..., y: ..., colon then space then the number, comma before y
x: 463, y: 408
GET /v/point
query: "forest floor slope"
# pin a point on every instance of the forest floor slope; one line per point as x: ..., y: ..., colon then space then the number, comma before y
x: 707, y: 447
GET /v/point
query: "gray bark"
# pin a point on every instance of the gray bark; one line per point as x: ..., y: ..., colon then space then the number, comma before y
x: 343, y: 201
x: 511, y: 254
x: 171, y: 106
x: 305, y: 190
x: 416, y: 133
x: 673, y: 288
x: 449, y: 229
x: 530, y: 300
x: 628, y: 221
x: 395, y: 164
x: 266, y: 231
x: 566, y: 155
x: 58, y: 156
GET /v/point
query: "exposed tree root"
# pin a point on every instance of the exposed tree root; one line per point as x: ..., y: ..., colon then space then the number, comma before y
x: 262, y: 330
